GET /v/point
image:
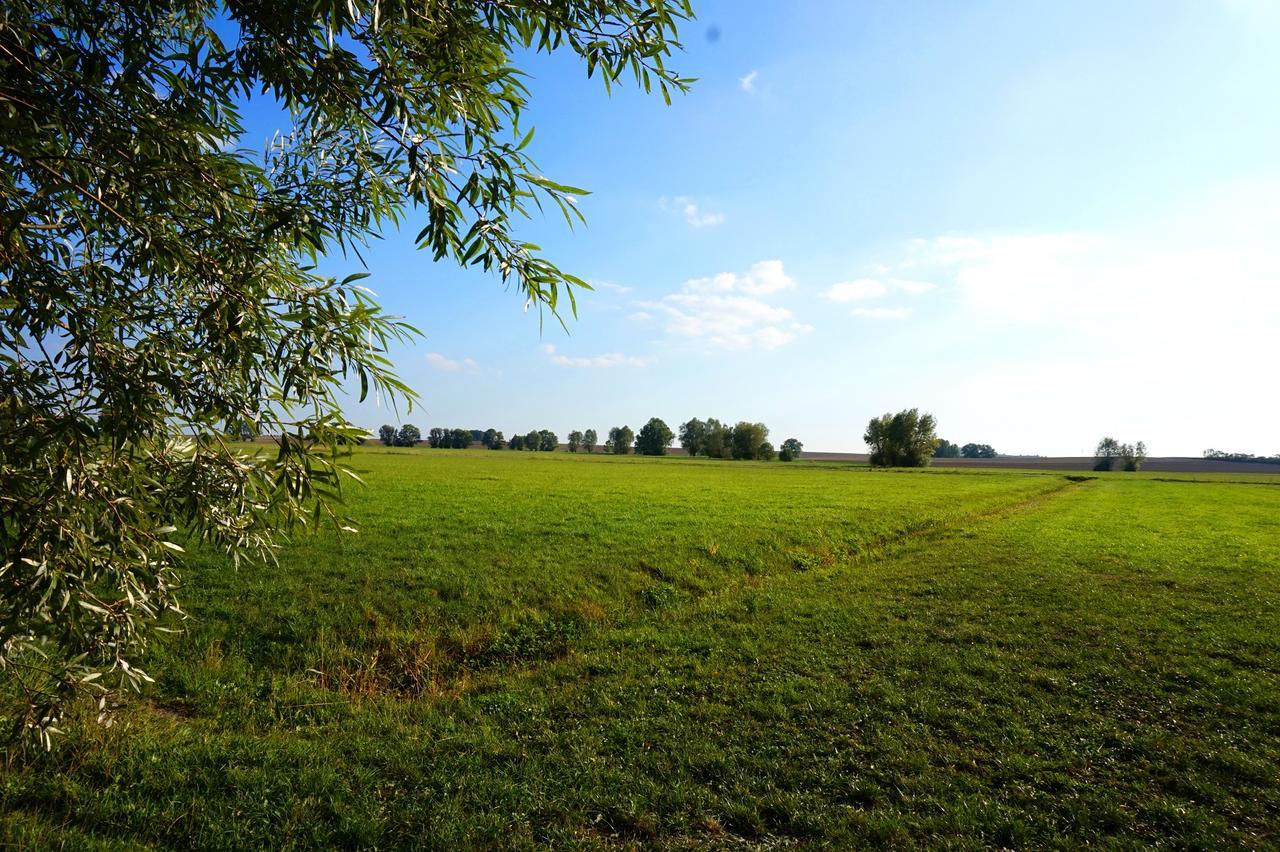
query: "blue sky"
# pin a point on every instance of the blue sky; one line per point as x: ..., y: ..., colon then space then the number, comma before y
x: 1043, y: 222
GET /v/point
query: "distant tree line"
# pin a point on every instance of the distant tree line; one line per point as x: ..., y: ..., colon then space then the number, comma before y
x: 535, y: 440
x: 407, y: 435
x: 948, y: 450
x: 1219, y: 455
x: 709, y: 438
x: 745, y: 440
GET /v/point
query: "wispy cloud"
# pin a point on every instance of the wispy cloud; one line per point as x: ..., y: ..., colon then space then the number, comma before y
x: 1167, y: 323
x: 1219, y: 250
x: 874, y: 288
x: 610, y: 286
x: 1034, y: 276
x: 441, y: 362
x: 881, y: 313
x: 914, y: 288
x: 693, y: 213
x: 608, y: 359
x: 727, y: 310
x: 852, y: 291
x: 748, y: 82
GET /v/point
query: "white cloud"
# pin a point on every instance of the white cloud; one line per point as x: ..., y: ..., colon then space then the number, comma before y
x: 850, y: 291
x: 441, y: 362
x: 1198, y: 283
x: 1034, y: 276
x: 609, y: 285
x: 881, y: 313
x: 1103, y: 280
x: 609, y: 359
x: 694, y: 215
x: 726, y: 310
x: 915, y: 288
x: 748, y: 83
x: 764, y: 278
x: 1161, y: 329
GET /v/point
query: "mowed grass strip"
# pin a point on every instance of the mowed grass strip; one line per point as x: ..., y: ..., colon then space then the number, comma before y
x: 1089, y: 664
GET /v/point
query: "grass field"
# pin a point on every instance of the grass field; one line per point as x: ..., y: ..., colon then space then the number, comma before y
x: 534, y: 649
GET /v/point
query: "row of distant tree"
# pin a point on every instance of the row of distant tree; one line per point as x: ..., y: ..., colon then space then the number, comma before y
x: 710, y: 438
x: 409, y: 435
x: 744, y: 440
x: 948, y: 450
x: 905, y: 439
x: 1220, y: 455
x: 909, y: 439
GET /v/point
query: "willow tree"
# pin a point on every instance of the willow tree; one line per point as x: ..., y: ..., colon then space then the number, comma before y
x: 905, y: 439
x: 159, y: 286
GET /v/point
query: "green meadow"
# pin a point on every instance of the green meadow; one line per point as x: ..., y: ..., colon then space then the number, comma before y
x: 536, y: 649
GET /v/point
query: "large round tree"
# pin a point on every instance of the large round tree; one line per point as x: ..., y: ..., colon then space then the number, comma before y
x: 654, y: 438
x: 158, y: 283
x: 905, y: 439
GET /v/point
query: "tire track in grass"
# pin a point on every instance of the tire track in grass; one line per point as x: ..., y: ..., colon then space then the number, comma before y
x: 660, y: 611
x: 889, y: 546
x: 407, y: 669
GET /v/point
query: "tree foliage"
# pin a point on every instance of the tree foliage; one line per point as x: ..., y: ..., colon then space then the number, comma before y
x: 749, y: 441
x: 654, y: 438
x: 1223, y: 455
x: 387, y: 435
x: 408, y: 436
x: 575, y: 441
x: 1109, y: 451
x: 589, y: 440
x: 946, y: 450
x: 791, y: 449
x: 1134, y: 456
x: 977, y: 451
x: 693, y: 436
x: 905, y: 439
x: 158, y: 282
x: 620, y: 439
x: 718, y: 441
x: 1106, y: 453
